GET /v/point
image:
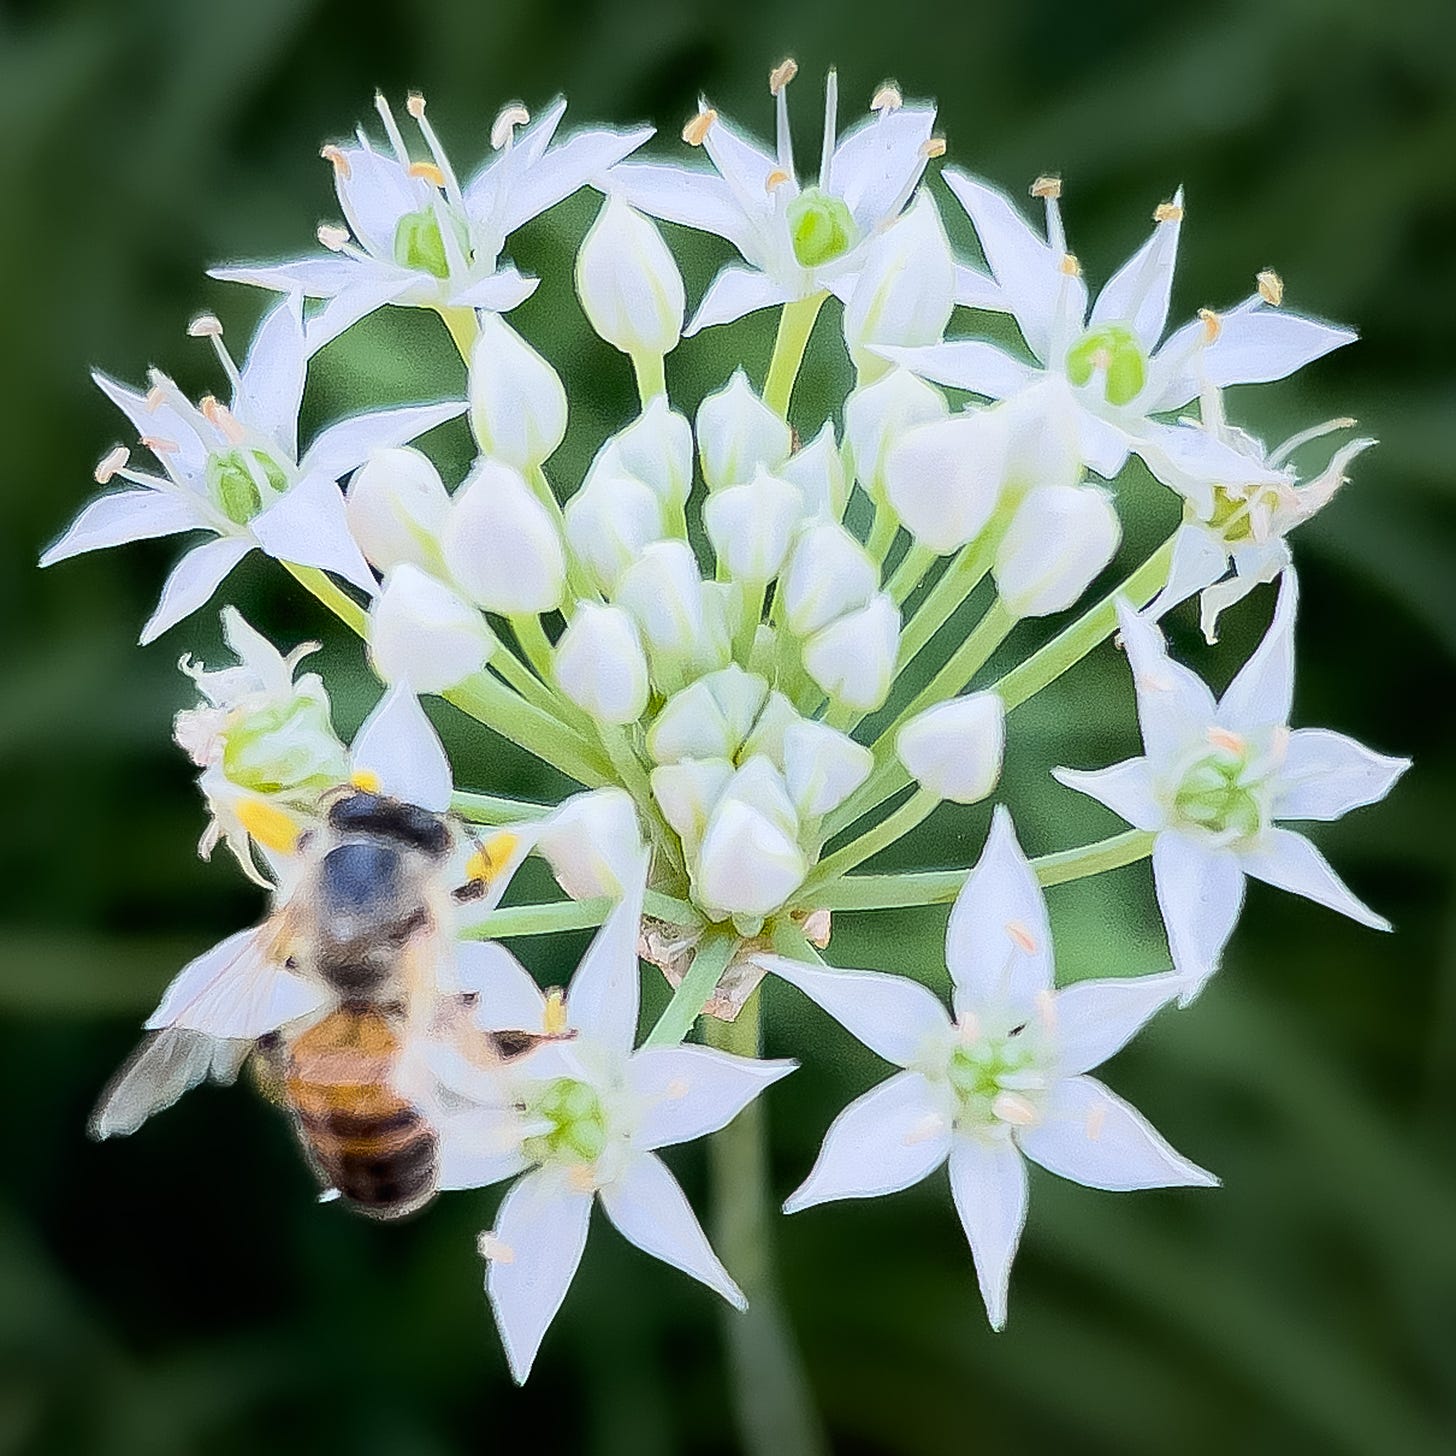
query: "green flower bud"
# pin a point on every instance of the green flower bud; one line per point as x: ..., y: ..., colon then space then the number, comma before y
x: 232, y: 477
x: 418, y: 243
x: 286, y: 747
x: 821, y: 227
x: 1114, y: 350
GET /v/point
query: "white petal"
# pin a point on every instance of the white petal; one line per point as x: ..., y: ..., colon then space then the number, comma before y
x: 398, y: 745
x: 1137, y: 294
x: 173, y: 421
x: 1200, y: 892
x: 236, y: 991
x: 974, y: 289
x: 1262, y: 694
x: 1192, y: 460
x: 744, y: 165
x: 893, y: 1016
x: 564, y: 169
x: 487, y: 193
x: 371, y: 286
x: 686, y: 196
x: 1264, y: 344
x: 602, y: 999
x: 313, y: 277
x: 504, y: 290
x: 988, y: 1180
x: 894, y: 1136
x: 1096, y: 1139
x: 349, y: 443
x: 1104, y: 446
x: 540, y: 1233
x: 1326, y: 774
x: 1126, y: 788
x: 689, y: 1091
x: 273, y: 376
x: 1094, y: 1019
x: 1200, y: 558
x: 477, y: 1148
x: 651, y: 1211
x: 736, y: 291
x: 1175, y: 707
x: 998, y: 944
x: 968, y: 364
x: 375, y: 192
x: 308, y: 526
x: 122, y: 516
x: 877, y: 164
x: 1290, y: 862
x: 192, y: 581
x: 510, y: 999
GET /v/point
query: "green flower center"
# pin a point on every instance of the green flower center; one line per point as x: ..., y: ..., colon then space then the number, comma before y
x: 1215, y: 796
x: 578, y: 1123
x: 419, y: 244
x: 233, y: 476
x: 1233, y: 510
x: 1113, y: 350
x: 982, y: 1071
x: 821, y: 227
x: 286, y: 748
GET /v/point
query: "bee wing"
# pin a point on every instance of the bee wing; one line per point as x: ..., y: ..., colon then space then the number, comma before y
x: 239, y: 989
x: 167, y: 1064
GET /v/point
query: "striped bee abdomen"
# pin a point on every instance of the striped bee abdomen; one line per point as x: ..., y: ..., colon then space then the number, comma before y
x: 367, y: 1141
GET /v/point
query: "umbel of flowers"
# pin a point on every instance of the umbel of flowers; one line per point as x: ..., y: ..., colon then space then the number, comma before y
x: 710, y: 631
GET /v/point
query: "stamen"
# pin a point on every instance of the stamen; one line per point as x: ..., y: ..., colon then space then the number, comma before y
x: 415, y: 104
x: 340, y: 162
x: 775, y: 180
x: 781, y: 75
x: 1168, y: 212
x: 156, y: 397
x: 1212, y: 325
x: 817, y: 926
x: 887, y: 98
x: 429, y: 171
x: 1047, y: 186
x: 1227, y: 739
x: 932, y: 147
x: 1271, y: 287
x: 554, y: 1017
x: 159, y: 445
x: 491, y: 1246
x: 1305, y: 437
x: 205, y: 326
x: 391, y: 129
x: 1021, y: 936
x: 831, y: 129
x: 695, y: 133
x: 335, y: 239
x: 503, y: 130
x: 1070, y: 266
x: 778, y: 85
x: 110, y: 463
x: 1013, y: 1108
x: 269, y: 825
x: 364, y: 779
x: 221, y: 418
x: 1096, y: 1116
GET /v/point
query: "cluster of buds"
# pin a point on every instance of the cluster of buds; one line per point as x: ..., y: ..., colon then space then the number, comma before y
x: 761, y: 648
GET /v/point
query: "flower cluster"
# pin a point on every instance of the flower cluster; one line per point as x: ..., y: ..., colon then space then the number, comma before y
x: 758, y: 645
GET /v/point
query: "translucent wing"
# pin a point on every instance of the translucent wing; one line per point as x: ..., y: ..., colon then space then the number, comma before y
x: 167, y: 1064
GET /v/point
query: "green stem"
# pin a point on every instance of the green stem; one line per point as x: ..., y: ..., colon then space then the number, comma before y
x: 531, y: 634
x: 796, y: 323
x: 464, y: 329
x: 894, y: 826
x: 771, y: 1397
x: 696, y: 988
x: 338, y: 601
x: 909, y: 573
x: 495, y: 809
x: 959, y: 579
x: 490, y: 702
x: 570, y: 915
x: 651, y: 376
x: 938, y: 887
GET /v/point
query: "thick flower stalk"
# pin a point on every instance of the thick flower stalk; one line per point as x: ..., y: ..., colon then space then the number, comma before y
x: 761, y: 646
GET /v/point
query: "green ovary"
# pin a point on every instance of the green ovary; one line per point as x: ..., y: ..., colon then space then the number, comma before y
x: 821, y: 227
x: 578, y: 1123
x: 286, y: 748
x: 1213, y: 796
x: 1115, y: 351
x: 233, y: 476
x: 978, y: 1074
x: 419, y: 244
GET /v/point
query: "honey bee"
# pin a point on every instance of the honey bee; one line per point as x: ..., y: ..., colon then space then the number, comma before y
x: 337, y: 994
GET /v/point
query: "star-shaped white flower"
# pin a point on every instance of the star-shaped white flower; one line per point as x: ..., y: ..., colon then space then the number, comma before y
x: 796, y: 239
x: 1215, y: 779
x: 234, y: 470
x: 1114, y: 359
x: 417, y: 237
x: 591, y: 1114
x: 1002, y: 1080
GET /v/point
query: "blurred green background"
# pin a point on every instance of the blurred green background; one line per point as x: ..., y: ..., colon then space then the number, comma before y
x: 182, y: 1292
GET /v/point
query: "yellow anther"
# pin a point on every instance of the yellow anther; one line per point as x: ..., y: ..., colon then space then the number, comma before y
x: 269, y: 825
x: 695, y: 133
x: 1013, y: 1108
x: 511, y: 115
x: 491, y: 857
x: 887, y: 98
x: 415, y: 104
x: 335, y: 156
x: 932, y: 147
x: 554, y: 1018
x: 492, y: 1246
x: 775, y: 180
x: 1096, y: 1116
x: 429, y: 171
x: 205, y: 326
x: 1212, y: 325
x: 1271, y: 287
x: 364, y: 779
x: 782, y: 74
x: 332, y: 237
x: 1070, y: 266
x: 1168, y: 212
x: 1050, y: 187
x: 221, y: 418
x: 1227, y: 739
x: 1021, y: 936
x: 110, y: 463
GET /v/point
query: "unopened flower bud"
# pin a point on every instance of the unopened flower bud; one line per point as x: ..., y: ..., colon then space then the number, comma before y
x: 853, y: 658
x: 687, y: 792
x: 600, y: 664
x: 750, y: 526
x: 396, y: 507
x: 955, y: 748
x: 608, y: 522
x: 657, y: 449
x: 501, y: 545
x: 829, y: 574
x: 1060, y: 538
x: 818, y: 471
x: 663, y: 590
x: 710, y: 718
x: 629, y: 283
x: 822, y: 767
x: 746, y: 864
x: 422, y: 634
x: 878, y: 414
x: 738, y: 433
x: 517, y: 402
x: 944, y: 479
x: 593, y: 844
x: 767, y: 739
x: 905, y: 292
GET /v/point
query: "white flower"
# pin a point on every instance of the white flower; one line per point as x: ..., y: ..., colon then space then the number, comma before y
x: 234, y: 471
x: 1059, y: 540
x: 609, y: 521
x: 955, y: 748
x: 396, y: 507
x: 818, y: 471
x: 593, y: 844
x: 796, y: 240
x: 1003, y: 1081
x: 417, y: 237
x: 1115, y: 358
x: 656, y: 448
x: 829, y: 574
x: 710, y: 718
x: 749, y: 861
x: 877, y: 415
x: 629, y: 285
x: 600, y: 664
x: 517, y: 400
x: 853, y: 658
x: 751, y: 526
x: 738, y: 434
x: 422, y: 634
x: 1217, y: 776
x: 595, y: 1114
x: 822, y: 767
x: 501, y: 544
x: 680, y: 618
x: 945, y: 478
